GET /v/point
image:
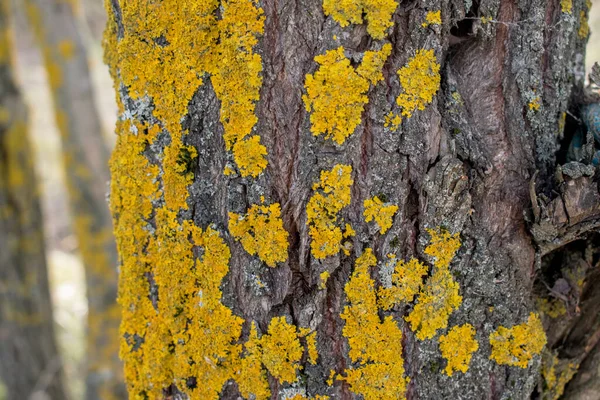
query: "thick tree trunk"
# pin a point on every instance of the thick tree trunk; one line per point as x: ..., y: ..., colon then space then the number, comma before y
x: 86, y: 169
x: 276, y: 161
x: 29, y: 361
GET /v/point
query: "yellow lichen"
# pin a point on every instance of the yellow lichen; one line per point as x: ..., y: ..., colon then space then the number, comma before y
x: 407, y: 280
x: 372, y: 64
x: 553, y: 308
x: 516, y: 346
x: 556, y: 373
x: 566, y: 6
x: 249, y: 375
x: 393, y: 121
x: 457, y: 348
x: 382, y: 214
x: 378, y: 14
x: 420, y: 81
x: 440, y: 295
x: 67, y: 49
x: 324, y: 276
x: 375, y: 345
x: 335, y: 94
x: 261, y: 232
x: 432, y: 18
x: 584, y: 27
x: 332, y: 194
x: 281, y: 350
x: 535, y: 104
x: 311, y: 344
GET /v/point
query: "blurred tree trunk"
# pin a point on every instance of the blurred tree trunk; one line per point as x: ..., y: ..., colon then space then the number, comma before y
x: 232, y: 271
x: 86, y: 169
x: 30, y: 365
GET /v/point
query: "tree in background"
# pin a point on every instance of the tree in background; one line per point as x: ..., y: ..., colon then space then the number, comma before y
x: 86, y: 169
x: 320, y: 199
x: 29, y: 361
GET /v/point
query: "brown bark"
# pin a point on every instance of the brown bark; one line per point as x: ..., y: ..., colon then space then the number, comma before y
x: 29, y: 361
x: 472, y: 162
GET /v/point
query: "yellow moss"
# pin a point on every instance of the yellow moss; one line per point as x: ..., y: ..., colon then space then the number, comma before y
x: 336, y: 96
x: 432, y: 18
x: 420, y: 80
x: 457, y: 348
x: 442, y: 246
x: 553, y: 308
x: 535, y: 104
x: 566, y: 6
x: 556, y: 373
x: 407, y: 280
x: 261, y: 232
x: 311, y: 344
x: 332, y: 194
x: 67, y: 49
x: 377, y: 12
x: 281, y: 350
x: 372, y: 64
x: 382, y: 214
x: 516, y: 346
x: 393, y: 121
x: 324, y: 276
x: 375, y: 345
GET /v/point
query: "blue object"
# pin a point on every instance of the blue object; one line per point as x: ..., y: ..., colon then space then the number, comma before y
x: 596, y: 159
x: 575, y: 152
x: 590, y: 115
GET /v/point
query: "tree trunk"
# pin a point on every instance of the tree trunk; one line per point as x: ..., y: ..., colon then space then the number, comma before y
x: 319, y: 199
x: 86, y: 169
x: 29, y: 361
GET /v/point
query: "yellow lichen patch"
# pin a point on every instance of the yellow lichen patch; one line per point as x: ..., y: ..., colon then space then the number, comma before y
x: 407, y: 280
x: 66, y: 49
x: 584, y: 27
x: 566, y: 6
x: 375, y: 346
x: 249, y: 374
x: 535, y: 104
x: 311, y: 344
x: 250, y: 156
x: 457, y: 348
x: 168, y: 46
x: 432, y: 18
x: 382, y: 214
x: 378, y: 14
x: 553, y: 308
x: 516, y: 346
x: 372, y: 64
x: 281, y: 350
x: 261, y: 232
x: 324, y: 276
x: 335, y: 94
x: 438, y: 299
x: 420, y: 80
x: 442, y: 246
x: 556, y: 373
x: 332, y: 194
x: 393, y: 121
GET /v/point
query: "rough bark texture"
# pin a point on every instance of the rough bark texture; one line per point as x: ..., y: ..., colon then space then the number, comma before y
x: 86, y: 169
x: 29, y: 361
x: 470, y: 163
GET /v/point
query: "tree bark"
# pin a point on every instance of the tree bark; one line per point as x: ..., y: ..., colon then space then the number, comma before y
x: 29, y: 361
x: 389, y: 131
x: 86, y: 169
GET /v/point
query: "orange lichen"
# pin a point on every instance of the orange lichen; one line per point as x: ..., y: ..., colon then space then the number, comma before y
x: 440, y: 295
x: 377, y: 12
x: 420, y: 80
x: 457, y: 347
x: 261, y: 232
x: 432, y: 18
x: 407, y: 280
x: 381, y: 213
x: 335, y: 94
x: 375, y: 345
x: 516, y: 346
x: 332, y: 194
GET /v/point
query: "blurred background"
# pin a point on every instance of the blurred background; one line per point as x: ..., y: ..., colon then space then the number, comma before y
x: 63, y: 251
